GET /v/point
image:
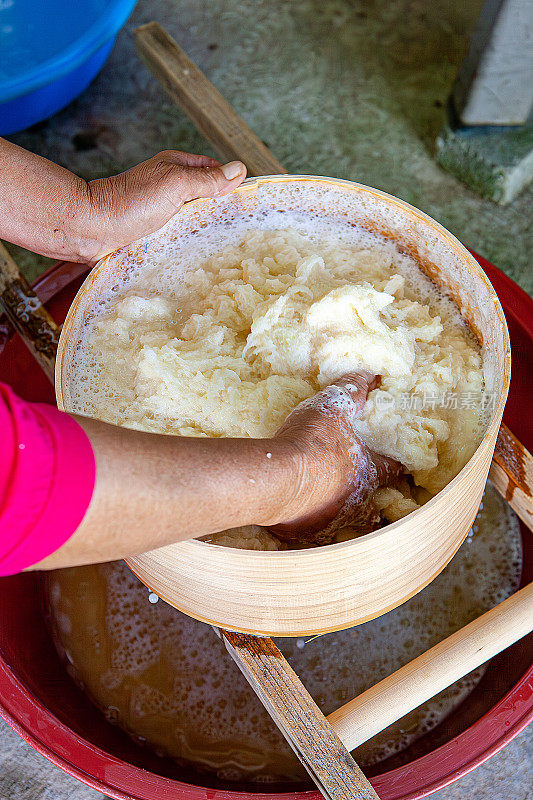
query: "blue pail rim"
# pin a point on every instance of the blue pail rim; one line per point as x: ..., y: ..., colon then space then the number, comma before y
x: 106, y: 26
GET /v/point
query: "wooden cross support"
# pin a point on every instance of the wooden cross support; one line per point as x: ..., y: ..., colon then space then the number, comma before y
x: 298, y: 717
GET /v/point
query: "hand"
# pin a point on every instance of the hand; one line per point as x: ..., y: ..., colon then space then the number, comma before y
x: 47, y: 209
x: 140, y: 201
x: 338, y: 473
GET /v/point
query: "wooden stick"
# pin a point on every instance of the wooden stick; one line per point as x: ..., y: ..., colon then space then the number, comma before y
x: 203, y: 104
x: 296, y: 714
x: 512, y: 474
x: 27, y: 314
x: 436, y: 669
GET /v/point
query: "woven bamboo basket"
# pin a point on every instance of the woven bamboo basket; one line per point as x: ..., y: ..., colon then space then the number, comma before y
x: 312, y: 591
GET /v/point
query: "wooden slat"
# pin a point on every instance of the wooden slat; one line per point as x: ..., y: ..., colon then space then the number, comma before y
x: 296, y: 714
x: 187, y: 85
x: 512, y: 474
x: 27, y: 314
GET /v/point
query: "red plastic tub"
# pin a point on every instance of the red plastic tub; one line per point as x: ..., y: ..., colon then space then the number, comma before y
x: 41, y: 703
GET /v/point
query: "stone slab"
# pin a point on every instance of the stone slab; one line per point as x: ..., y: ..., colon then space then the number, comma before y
x: 496, y: 163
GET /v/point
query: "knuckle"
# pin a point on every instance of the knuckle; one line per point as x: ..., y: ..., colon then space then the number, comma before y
x: 166, y: 155
x: 204, y: 181
x: 213, y: 177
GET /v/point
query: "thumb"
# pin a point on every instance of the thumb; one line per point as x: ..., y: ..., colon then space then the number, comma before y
x: 189, y: 183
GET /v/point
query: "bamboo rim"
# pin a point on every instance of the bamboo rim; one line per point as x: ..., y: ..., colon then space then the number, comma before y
x: 476, y: 466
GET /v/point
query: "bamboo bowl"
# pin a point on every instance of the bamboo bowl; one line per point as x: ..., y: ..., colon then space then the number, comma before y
x: 312, y: 591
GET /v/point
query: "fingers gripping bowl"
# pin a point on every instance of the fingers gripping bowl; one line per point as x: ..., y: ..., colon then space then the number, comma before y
x: 336, y: 586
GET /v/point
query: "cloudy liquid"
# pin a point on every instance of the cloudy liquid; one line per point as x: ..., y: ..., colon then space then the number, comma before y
x: 168, y: 681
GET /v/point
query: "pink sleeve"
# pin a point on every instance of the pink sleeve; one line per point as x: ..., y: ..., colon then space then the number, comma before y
x: 47, y: 474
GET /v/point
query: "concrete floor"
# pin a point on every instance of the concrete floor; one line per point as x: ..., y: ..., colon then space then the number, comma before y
x: 351, y: 88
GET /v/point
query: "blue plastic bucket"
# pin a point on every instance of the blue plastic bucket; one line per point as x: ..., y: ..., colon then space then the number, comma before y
x: 50, y: 50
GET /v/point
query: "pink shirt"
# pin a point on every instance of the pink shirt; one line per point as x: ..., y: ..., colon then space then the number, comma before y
x: 47, y: 475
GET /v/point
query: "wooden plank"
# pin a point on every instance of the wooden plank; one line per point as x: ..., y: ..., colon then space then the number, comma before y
x: 27, y: 314
x: 229, y: 135
x: 296, y: 714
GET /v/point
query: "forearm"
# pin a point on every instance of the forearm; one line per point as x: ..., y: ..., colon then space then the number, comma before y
x: 153, y: 490
x: 313, y: 476
x: 44, y: 207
